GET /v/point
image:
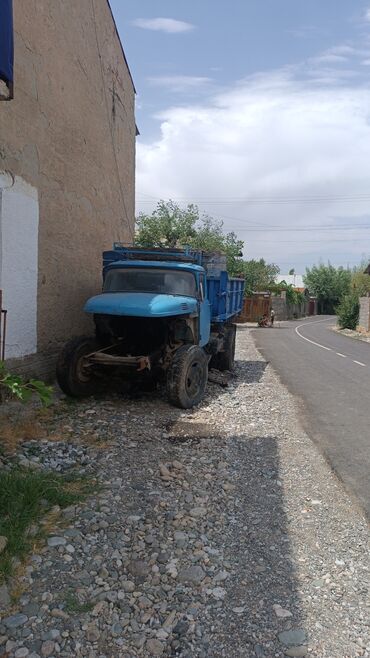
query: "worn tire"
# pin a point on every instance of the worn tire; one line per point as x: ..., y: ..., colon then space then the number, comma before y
x: 187, y: 376
x: 225, y: 360
x: 71, y: 376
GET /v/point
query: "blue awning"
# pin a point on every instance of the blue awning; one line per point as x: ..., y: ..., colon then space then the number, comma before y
x: 6, y: 41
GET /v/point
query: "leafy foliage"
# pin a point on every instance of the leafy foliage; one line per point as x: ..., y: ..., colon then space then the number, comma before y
x: 259, y: 275
x: 292, y: 296
x: 172, y: 226
x: 348, y: 311
x: 167, y: 226
x: 23, y: 390
x: 360, y: 283
x: 329, y: 284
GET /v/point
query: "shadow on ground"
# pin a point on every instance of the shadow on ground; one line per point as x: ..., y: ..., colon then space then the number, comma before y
x: 257, y: 546
x: 246, y: 526
x: 250, y: 372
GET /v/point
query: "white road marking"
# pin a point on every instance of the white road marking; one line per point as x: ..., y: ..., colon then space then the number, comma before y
x: 312, y: 341
x: 323, y: 347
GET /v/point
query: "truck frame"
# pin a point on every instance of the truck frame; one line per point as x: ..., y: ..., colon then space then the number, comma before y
x: 163, y: 315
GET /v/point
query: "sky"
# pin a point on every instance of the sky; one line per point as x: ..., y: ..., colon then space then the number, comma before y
x: 258, y: 111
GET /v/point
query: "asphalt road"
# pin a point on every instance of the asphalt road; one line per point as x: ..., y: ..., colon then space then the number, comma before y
x: 331, y: 375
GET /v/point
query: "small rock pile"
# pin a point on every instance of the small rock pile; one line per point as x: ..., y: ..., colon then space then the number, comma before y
x: 58, y: 456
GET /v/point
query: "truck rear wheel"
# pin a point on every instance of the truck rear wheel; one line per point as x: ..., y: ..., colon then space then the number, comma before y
x: 225, y: 360
x: 187, y: 376
x: 74, y: 377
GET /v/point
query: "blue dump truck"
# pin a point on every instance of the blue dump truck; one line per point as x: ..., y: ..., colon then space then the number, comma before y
x: 163, y: 315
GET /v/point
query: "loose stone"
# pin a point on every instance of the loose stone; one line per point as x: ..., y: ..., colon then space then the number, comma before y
x: 15, y: 620
x: 296, y: 652
x: 4, y: 597
x: 292, y: 638
x: 54, y: 542
x: 281, y: 612
x: 47, y: 648
x: 155, y: 647
x: 198, y: 512
x: 3, y: 543
x: 191, y: 575
x: 22, y: 652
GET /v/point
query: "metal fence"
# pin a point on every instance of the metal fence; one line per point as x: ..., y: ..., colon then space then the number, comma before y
x: 3, y: 314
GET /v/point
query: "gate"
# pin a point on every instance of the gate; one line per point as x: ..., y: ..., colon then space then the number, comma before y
x: 255, y: 306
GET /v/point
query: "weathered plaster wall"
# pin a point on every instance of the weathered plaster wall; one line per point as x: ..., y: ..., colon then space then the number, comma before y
x: 70, y: 134
x: 19, y: 219
x: 364, y: 316
x: 285, y: 311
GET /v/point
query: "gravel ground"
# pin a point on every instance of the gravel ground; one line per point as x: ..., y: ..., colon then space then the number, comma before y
x: 351, y: 333
x: 219, y: 532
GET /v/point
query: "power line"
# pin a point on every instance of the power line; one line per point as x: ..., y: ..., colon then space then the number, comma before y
x: 310, y: 229
x: 305, y: 242
x: 269, y: 200
x: 259, y: 227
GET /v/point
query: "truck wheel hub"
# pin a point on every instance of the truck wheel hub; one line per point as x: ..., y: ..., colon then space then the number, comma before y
x: 194, y: 378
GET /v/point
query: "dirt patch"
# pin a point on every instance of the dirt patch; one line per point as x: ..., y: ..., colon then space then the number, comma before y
x: 182, y: 431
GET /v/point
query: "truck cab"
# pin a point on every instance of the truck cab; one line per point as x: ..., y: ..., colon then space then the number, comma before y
x: 155, y: 291
x: 153, y: 316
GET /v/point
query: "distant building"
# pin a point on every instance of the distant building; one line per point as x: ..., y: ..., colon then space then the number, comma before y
x: 67, y: 171
x: 310, y: 304
x: 295, y: 280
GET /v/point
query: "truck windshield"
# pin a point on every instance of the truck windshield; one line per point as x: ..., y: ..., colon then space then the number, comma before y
x: 167, y: 282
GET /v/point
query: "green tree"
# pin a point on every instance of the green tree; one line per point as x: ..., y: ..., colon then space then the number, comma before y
x: 259, y: 275
x: 360, y: 283
x: 167, y: 226
x: 348, y: 311
x: 329, y: 284
x: 172, y: 226
x: 293, y: 296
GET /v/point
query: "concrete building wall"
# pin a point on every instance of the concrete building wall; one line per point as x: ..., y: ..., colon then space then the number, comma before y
x: 285, y: 311
x: 69, y: 136
x: 364, y: 316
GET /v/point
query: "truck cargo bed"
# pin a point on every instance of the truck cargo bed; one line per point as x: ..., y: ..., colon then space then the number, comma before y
x: 226, y: 297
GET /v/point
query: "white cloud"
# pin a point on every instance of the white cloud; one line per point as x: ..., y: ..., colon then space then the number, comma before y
x: 342, y: 50
x: 169, y: 25
x: 272, y: 152
x: 367, y: 15
x: 329, y: 58
x: 180, y: 83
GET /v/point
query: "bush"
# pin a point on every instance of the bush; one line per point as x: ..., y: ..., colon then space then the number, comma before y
x: 348, y: 312
x: 18, y: 388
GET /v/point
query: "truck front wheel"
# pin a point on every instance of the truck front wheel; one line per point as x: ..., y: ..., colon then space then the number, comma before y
x: 74, y: 376
x: 187, y: 376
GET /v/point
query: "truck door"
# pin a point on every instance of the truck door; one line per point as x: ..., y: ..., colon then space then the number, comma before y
x: 204, y: 312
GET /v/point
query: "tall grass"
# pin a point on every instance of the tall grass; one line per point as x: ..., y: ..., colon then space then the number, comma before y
x: 24, y: 498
